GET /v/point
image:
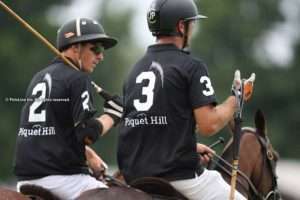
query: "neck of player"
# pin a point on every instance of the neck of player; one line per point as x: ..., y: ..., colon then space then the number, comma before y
x: 177, y: 41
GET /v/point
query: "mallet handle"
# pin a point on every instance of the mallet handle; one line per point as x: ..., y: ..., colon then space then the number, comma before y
x: 37, y: 34
x: 103, y: 93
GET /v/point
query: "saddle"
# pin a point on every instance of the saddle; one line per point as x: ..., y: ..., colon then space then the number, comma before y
x: 35, y: 192
x: 158, y: 188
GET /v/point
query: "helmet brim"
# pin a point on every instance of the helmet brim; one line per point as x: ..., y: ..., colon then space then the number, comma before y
x: 196, y: 17
x: 105, y: 40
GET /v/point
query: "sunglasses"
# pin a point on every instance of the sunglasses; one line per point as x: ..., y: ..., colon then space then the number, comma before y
x: 97, y: 49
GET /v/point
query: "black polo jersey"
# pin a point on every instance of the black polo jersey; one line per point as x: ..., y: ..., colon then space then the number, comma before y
x: 157, y: 133
x: 46, y: 143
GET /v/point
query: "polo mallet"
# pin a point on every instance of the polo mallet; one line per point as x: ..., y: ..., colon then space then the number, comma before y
x: 99, y: 90
x: 239, y: 95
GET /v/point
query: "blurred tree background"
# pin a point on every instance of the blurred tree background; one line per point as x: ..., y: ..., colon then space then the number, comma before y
x: 229, y: 39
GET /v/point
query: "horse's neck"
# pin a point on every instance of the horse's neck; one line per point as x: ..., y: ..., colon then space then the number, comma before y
x: 249, y: 159
x: 250, y: 154
x: 261, y: 176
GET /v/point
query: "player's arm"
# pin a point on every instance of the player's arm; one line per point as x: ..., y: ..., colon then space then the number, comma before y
x: 113, y: 112
x: 210, y: 118
x: 106, y: 122
x: 89, y: 128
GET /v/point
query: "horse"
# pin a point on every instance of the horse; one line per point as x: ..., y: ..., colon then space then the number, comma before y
x: 8, y: 194
x: 117, y: 190
x: 256, y: 175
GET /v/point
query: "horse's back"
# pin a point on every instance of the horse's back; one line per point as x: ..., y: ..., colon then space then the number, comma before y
x: 115, y: 192
x: 7, y: 194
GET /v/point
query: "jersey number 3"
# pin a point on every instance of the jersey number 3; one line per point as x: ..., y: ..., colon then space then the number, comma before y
x: 146, y: 90
x: 209, y: 90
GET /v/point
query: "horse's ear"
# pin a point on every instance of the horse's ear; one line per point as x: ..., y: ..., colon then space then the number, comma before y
x: 260, y: 123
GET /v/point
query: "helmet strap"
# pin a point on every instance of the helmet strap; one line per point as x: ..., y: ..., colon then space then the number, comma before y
x: 79, y: 59
x: 185, y: 34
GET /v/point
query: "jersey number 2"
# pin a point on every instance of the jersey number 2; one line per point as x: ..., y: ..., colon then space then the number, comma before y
x: 86, y: 97
x: 33, y: 115
x: 147, y: 91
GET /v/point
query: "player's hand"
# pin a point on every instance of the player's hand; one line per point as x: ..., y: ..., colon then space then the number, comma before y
x: 114, y: 108
x: 248, y: 86
x: 97, y: 166
x: 205, y: 152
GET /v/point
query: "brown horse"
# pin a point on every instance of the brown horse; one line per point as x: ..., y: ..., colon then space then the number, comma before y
x: 257, y: 177
x: 8, y: 194
x: 115, y: 191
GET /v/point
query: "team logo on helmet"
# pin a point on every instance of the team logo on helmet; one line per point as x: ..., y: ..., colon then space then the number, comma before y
x: 152, y: 16
x: 69, y: 34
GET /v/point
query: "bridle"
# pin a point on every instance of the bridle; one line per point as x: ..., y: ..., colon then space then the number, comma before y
x: 268, y: 158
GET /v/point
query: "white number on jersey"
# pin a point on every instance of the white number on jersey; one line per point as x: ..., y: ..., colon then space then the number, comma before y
x: 209, y: 89
x: 86, y: 97
x: 33, y: 115
x: 147, y: 90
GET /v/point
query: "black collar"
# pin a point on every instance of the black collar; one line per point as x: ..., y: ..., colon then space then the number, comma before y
x: 166, y: 47
x: 59, y: 60
x: 163, y: 47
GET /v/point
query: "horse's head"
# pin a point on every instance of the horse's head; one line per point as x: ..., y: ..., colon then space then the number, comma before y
x: 257, y: 162
x: 264, y: 173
